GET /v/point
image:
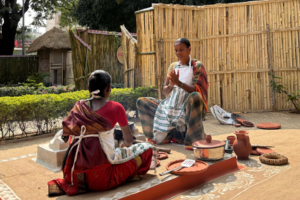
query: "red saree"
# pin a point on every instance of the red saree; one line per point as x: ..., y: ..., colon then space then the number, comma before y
x: 92, y: 170
x: 200, y: 80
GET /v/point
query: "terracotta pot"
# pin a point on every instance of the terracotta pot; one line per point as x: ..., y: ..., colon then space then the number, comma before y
x: 241, y: 145
x: 246, y: 132
x: 231, y: 139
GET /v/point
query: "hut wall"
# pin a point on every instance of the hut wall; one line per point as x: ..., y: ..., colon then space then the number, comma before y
x: 44, y: 60
x: 235, y: 46
x: 58, y: 66
x: 103, y: 55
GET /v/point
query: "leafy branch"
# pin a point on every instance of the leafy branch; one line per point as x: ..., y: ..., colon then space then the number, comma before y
x: 279, y: 88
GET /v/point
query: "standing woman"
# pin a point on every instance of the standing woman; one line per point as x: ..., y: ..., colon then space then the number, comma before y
x: 179, y: 117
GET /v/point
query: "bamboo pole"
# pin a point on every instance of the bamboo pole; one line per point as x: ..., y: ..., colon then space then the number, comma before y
x: 270, y: 66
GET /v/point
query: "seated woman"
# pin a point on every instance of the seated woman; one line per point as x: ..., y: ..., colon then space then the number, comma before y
x: 179, y: 117
x: 92, y: 162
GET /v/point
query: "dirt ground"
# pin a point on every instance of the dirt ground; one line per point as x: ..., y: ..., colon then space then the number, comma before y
x: 21, y: 177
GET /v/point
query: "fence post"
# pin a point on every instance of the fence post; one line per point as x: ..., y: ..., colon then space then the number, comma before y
x: 270, y: 66
x: 161, y: 68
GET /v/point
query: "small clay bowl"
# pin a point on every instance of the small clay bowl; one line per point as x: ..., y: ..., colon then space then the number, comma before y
x: 237, y: 125
x: 241, y: 131
x: 231, y: 139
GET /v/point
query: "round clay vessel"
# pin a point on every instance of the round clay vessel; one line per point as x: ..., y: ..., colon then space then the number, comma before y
x: 237, y: 125
x: 241, y: 145
x: 231, y: 139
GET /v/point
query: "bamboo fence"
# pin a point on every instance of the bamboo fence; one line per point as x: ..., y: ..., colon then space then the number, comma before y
x: 129, y: 58
x: 103, y: 55
x: 16, y: 69
x: 146, y: 61
x: 239, y: 44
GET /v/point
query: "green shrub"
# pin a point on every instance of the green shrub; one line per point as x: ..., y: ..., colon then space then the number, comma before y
x: 41, y: 111
x: 27, y: 90
x: 128, y: 96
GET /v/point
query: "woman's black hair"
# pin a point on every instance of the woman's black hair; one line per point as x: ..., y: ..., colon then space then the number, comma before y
x: 99, y: 80
x: 184, y: 41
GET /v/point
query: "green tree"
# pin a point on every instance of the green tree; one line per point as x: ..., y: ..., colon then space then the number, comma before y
x: 110, y: 14
x: 67, y: 18
x: 28, y: 34
x: 11, y: 13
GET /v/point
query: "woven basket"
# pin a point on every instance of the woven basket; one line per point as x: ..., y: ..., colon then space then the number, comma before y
x: 273, y: 159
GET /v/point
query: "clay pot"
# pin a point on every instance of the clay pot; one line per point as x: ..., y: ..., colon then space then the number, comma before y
x: 246, y: 132
x: 231, y: 139
x: 241, y: 145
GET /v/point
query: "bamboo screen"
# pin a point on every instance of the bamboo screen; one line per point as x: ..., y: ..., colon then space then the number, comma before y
x: 103, y: 55
x: 146, y: 61
x: 129, y: 57
x: 231, y: 40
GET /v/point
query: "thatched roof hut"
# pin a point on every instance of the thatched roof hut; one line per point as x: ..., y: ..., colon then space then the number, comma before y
x: 53, y: 49
x: 53, y: 39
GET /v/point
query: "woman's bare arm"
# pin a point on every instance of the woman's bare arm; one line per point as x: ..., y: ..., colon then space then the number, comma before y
x: 128, y: 139
x: 168, y: 87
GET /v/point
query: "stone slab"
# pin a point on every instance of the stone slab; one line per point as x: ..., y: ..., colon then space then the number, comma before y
x: 49, y: 158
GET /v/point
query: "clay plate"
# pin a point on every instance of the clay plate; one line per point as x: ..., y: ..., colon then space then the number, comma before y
x: 197, y: 168
x: 161, y: 155
x: 261, y: 146
x: 157, y: 162
x: 254, y: 152
x: 264, y: 150
x: 268, y: 126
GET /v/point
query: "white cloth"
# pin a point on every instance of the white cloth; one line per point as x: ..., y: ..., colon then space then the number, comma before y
x: 120, y: 155
x: 221, y: 115
x: 185, y: 73
x: 114, y: 156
